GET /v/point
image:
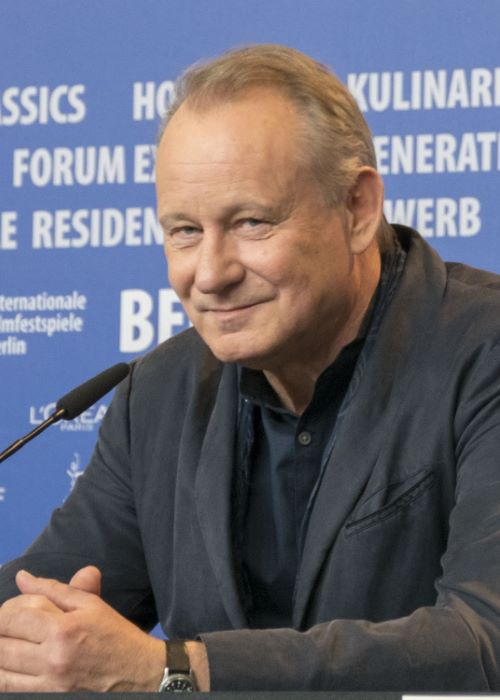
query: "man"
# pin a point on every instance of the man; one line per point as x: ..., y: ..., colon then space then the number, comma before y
x: 305, y: 485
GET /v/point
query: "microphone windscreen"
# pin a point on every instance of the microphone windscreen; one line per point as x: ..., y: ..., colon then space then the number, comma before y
x: 78, y: 400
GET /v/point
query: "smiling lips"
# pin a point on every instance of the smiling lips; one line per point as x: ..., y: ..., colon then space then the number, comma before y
x: 232, y: 309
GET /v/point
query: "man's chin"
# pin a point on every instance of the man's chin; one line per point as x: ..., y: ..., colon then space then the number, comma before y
x: 238, y: 352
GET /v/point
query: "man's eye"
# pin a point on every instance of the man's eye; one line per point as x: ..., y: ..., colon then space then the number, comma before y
x: 252, y: 225
x: 184, y: 230
x: 183, y: 235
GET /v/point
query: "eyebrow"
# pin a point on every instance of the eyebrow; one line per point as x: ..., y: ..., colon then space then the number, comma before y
x: 168, y: 219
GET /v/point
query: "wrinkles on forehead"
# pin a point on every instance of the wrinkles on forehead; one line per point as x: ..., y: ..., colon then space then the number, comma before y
x: 262, y: 112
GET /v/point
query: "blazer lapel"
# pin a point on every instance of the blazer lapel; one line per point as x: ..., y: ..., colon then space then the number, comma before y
x: 390, y: 371
x: 213, y: 492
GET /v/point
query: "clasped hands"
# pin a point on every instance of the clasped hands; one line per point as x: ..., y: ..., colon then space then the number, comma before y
x: 64, y: 637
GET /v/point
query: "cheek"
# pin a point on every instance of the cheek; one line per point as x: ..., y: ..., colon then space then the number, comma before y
x: 277, y: 263
x: 179, y: 275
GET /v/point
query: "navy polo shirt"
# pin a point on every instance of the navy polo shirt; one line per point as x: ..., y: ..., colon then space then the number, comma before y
x: 285, y: 461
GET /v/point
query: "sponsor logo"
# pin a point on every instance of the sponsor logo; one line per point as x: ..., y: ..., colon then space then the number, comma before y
x: 3, y: 491
x: 88, y: 421
x: 74, y: 470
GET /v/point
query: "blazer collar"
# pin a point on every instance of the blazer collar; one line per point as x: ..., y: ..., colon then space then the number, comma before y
x: 391, y: 370
x: 213, y: 492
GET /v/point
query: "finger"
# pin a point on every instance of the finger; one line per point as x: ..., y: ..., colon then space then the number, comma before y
x: 12, y: 682
x: 25, y: 600
x: 20, y: 656
x: 64, y: 596
x: 87, y: 579
x: 28, y: 624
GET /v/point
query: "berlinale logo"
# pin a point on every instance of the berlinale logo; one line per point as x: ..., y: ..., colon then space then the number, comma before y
x: 86, y: 422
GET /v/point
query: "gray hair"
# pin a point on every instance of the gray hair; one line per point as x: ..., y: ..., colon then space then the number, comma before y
x: 336, y: 140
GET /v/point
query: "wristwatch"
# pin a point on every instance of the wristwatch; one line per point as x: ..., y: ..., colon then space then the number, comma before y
x: 177, y: 676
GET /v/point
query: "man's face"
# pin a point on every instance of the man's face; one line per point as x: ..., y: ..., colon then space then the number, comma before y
x: 260, y: 263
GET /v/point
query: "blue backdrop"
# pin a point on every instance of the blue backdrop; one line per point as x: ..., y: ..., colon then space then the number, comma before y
x: 82, y: 82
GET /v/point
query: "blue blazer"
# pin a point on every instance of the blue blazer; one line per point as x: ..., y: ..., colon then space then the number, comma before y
x: 399, y: 583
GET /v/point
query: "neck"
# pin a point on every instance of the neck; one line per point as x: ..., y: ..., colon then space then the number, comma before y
x: 294, y: 382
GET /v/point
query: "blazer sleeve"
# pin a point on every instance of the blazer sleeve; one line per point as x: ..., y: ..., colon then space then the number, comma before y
x: 97, y: 525
x: 453, y: 645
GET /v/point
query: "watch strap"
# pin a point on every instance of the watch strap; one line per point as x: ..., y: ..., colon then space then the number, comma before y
x: 177, y: 657
x: 177, y: 676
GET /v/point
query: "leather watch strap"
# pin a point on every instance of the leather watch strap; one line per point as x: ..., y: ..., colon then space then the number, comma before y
x: 177, y: 656
x: 177, y: 676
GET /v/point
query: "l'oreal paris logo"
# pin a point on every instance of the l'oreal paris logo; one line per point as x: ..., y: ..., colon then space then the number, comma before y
x: 87, y: 421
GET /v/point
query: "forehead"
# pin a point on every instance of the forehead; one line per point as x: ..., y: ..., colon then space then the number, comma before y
x: 260, y: 122
x: 244, y: 148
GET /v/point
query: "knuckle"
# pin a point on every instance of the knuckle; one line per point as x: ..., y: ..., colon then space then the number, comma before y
x: 58, y: 662
x: 62, y: 655
x: 10, y: 603
x: 37, y: 602
x: 24, y: 601
x: 62, y: 646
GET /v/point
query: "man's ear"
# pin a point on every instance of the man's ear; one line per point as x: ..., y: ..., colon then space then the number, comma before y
x: 365, y: 209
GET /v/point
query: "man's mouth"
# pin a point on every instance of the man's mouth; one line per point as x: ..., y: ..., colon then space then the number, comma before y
x: 234, y: 308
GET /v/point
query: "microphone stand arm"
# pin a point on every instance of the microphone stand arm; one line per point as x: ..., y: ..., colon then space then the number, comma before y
x: 53, y: 418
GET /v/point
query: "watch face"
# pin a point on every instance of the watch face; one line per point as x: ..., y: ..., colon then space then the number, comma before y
x: 178, y: 683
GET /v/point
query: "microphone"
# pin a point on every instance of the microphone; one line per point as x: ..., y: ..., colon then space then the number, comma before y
x: 75, y: 402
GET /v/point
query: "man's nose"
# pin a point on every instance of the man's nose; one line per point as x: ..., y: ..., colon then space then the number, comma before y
x: 218, y: 265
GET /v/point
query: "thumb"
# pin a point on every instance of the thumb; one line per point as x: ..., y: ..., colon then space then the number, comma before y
x: 66, y: 597
x: 87, y: 579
